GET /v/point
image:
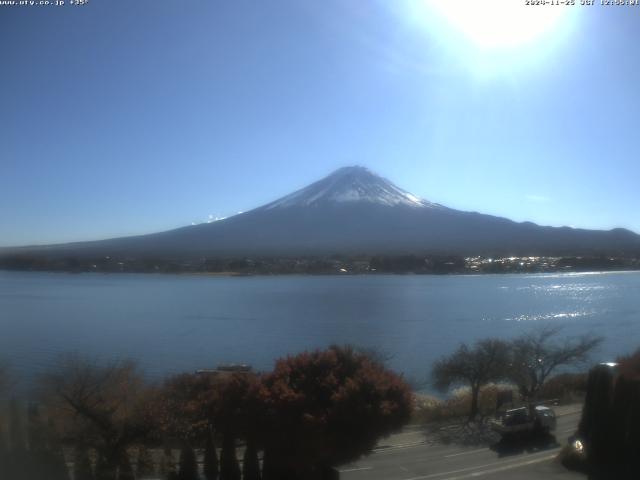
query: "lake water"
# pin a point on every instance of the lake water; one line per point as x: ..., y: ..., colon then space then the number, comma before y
x: 181, y: 323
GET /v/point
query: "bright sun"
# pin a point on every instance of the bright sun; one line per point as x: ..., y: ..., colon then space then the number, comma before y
x: 495, y: 24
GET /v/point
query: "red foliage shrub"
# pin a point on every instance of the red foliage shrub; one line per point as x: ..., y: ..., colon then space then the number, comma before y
x: 330, y: 407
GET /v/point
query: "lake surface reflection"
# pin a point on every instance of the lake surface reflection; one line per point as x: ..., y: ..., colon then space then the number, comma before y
x: 181, y: 323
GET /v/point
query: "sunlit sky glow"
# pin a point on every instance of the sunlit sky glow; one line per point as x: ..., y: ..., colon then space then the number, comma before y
x: 126, y: 117
x: 490, y: 38
x: 498, y: 24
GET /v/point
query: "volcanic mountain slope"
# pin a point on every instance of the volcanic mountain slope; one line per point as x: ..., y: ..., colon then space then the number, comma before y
x: 354, y: 211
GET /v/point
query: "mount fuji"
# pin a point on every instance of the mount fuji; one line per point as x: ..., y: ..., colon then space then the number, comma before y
x: 354, y: 211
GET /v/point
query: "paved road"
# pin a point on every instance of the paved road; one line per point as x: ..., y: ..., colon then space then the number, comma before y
x: 406, y: 456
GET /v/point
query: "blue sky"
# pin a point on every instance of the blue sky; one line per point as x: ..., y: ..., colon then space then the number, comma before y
x: 124, y: 117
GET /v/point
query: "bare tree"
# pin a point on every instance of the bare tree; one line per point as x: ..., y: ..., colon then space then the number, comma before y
x: 472, y: 366
x: 99, y: 406
x: 537, y: 354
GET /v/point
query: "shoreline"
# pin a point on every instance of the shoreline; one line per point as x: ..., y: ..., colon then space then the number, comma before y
x: 231, y: 274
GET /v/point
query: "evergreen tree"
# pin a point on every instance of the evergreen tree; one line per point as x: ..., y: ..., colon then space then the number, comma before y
x: 81, y: 464
x: 144, y: 464
x: 188, y: 464
x: 55, y: 464
x: 210, y: 459
x: 167, y: 465
x: 268, y: 467
x: 251, y: 464
x: 104, y: 469
x: 275, y: 469
x: 229, y: 468
x: 125, y: 472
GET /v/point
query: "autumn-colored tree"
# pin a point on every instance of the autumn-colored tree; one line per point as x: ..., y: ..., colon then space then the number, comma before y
x: 326, y: 408
x: 316, y: 410
x: 103, y: 407
x: 185, y: 406
x: 191, y: 407
x: 474, y: 367
x: 186, y: 409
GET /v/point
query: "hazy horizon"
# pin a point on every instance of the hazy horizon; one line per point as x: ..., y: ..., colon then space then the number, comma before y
x: 124, y: 118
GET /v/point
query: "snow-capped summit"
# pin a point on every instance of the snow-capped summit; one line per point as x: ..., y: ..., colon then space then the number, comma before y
x: 351, y: 185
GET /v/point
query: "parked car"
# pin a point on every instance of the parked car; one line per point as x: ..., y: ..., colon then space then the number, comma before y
x: 534, y: 419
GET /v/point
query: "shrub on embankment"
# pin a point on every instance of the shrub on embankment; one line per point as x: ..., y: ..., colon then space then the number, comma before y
x: 314, y: 411
x: 430, y: 409
x: 564, y: 389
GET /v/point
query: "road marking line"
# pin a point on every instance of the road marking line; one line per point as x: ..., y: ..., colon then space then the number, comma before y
x: 568, y: 413
x: 433, y: 475
x: 358, y: 469
x: 416, y: 432
x: 502, y: 469
x: 466, y: 453
x: 380, y: 450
